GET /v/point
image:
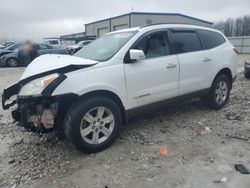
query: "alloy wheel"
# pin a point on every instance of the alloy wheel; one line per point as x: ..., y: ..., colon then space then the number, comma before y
x: 12, y: 62
x: 221, y: 92
x: 97, y: 125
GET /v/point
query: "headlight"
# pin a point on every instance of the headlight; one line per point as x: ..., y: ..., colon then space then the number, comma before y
x: 36, y: 87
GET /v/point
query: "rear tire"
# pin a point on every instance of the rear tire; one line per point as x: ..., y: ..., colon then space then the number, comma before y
x: 218, y: 95
x: 93, y: 125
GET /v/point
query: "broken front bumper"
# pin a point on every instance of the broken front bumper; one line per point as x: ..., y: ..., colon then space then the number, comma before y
x: 8, y: 93
x: 38, y: 113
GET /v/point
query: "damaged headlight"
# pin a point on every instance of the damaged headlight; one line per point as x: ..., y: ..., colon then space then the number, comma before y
x: 36, y: 87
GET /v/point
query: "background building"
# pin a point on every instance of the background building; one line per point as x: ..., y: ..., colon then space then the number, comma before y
x: 136, y: 19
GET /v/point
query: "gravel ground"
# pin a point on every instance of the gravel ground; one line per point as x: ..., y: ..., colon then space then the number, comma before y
x: 200, y: 142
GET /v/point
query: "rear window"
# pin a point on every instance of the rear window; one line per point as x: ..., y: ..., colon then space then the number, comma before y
x: 186, y: 41
x: 211, y: 39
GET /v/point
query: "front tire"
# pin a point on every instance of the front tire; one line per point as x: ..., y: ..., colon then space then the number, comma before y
x: 12, y: 62
x: 93, y: 125
x: 218, y: 95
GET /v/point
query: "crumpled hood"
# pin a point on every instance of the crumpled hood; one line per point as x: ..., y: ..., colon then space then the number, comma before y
x: 48, y: 63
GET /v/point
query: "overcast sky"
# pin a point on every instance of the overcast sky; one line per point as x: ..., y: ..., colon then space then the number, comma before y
x: 35, y: 19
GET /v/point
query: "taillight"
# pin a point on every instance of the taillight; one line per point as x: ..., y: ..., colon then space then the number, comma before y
x: 236, y: 51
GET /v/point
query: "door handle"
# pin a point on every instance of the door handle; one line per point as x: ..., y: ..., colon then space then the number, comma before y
x: 171, y: 65
x: 206, y: 59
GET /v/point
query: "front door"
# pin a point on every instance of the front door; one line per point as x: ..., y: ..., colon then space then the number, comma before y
x: 155, y: 78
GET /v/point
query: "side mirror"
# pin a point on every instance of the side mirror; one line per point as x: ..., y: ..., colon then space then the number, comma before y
x: 136, y: 55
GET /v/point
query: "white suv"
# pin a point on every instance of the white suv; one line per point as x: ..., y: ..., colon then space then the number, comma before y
x: 89, y: 96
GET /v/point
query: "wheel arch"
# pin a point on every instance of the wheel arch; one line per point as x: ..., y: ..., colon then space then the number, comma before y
x: 109, y: 94
x: 12, y: 58
x: 226, y: 71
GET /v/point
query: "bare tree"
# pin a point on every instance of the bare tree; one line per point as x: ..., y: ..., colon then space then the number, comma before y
x: 235, y: 27
x: 238, y: 26
x: 229, y: 27
x: 220, y: 26
x: 246, y: 26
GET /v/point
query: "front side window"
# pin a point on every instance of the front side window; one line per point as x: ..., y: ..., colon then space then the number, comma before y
x: 154, y: 45
x: 210, y: 39
x: 43, y: 47
x: 186, y: 41
x: 105, y: 47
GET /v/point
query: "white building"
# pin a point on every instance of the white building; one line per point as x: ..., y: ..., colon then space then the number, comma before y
x: 136, y: 19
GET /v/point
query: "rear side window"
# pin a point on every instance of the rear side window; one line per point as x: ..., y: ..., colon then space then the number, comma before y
x: 210, y: 39
x: 186, y: 41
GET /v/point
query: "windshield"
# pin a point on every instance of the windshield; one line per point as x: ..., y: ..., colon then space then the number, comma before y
x: 105, y: 47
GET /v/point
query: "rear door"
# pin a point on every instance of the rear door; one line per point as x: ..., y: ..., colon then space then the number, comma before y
x: 155, y: 78
x: 195, y: 62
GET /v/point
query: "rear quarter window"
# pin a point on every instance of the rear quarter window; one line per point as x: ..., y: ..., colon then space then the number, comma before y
x: 186, y: 41
x: 210, y: 39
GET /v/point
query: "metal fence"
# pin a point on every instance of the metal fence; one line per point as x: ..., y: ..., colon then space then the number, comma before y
x: 242, y: 43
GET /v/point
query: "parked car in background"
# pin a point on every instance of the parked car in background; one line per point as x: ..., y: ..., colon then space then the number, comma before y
x: 247, y: 69
x: 11, y: 57
x: 8, y: 44
x: 75, y: 48
x: 9, y: 48
x: 91, y: 94
x: 55, y: 42
x: 4, y: 45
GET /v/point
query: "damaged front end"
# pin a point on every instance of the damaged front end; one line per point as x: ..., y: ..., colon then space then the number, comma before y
x: 37, y: 108
x: 8, y: 93
x: 36, y: 114
x: 40, y: 113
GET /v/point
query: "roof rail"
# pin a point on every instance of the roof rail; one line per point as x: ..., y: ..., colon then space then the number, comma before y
x: 149, y: 25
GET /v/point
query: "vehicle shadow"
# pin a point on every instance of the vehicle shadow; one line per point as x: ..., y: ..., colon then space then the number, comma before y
x: 168, y: 112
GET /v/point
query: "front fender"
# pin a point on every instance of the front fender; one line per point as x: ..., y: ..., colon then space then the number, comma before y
x: 93, y: 88
x: 108, y: 78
